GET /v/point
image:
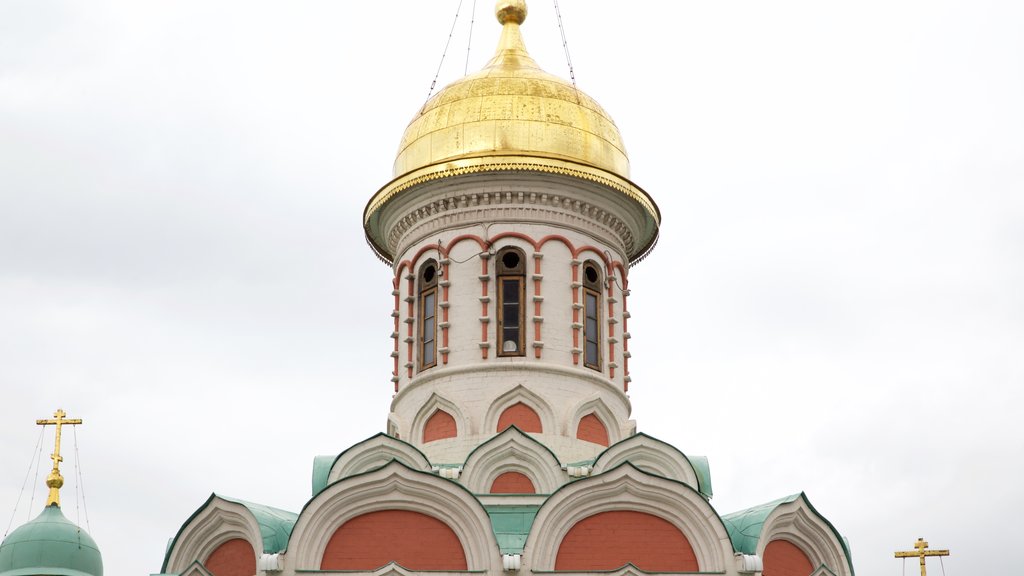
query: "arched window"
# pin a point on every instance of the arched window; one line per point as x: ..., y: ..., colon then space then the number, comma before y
x: 592, y: 315
x: 427, y: 288
x: 511, y: 270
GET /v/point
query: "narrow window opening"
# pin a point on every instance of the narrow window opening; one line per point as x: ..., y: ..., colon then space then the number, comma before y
x: 592, y: 316
x: 428, y: 315
x: 511, y: 309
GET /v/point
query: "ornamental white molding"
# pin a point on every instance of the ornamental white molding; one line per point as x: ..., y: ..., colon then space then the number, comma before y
x: 394, y: 487
x: 629, y: 488
x: 586, y: 209
x: 375, y: 452
x: 512, y: 451
x: 650, y: 455
x: 433, y: 404
x: 392, y: 569
x: 513, y: 396
x: 216, y: 522
x: 798, y: 523
x: 596, y: 405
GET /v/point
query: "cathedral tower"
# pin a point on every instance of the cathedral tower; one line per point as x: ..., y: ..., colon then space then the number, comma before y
x: 510, y: 224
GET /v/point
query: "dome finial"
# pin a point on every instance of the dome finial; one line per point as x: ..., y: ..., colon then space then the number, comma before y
x: 54, y: 480
x: 510, y: 11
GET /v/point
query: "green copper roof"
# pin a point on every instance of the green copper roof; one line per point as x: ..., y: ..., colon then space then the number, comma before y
x: 52, y: 545
x: 511, y: 526
x: 321, y: 472
x: 703, y: 470
x: 275, y: 524
x: 745, y: 526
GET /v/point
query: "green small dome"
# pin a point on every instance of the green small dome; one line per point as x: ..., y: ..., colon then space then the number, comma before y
x: 50, y: 545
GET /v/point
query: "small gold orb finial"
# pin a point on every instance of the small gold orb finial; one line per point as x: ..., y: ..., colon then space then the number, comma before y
x: 510, y: 11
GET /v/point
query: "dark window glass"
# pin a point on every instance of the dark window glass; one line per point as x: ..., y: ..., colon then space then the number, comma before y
x: 428, y: 315
x: 592, y: 316
x: 511, y: 269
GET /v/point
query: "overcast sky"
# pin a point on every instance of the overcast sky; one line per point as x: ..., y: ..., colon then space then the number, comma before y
x: 836, y: 304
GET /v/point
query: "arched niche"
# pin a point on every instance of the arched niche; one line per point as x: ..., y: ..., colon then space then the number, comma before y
x: 432, y: 405
x: 519, y: 394
x: 394, y: 487
x: 797, y: 522
x: 628, y: 488
x: 512, y: 451
x: 651, y: 455
x: 216, y: 522
x: 596, y: 406
x: 374, y: 452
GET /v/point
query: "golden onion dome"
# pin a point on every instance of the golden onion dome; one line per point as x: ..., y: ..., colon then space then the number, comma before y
x: 511, y: 116
x: 512, y: 108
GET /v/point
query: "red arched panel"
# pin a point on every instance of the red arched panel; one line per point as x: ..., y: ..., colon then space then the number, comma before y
x: 783, y: 558
x: 512, y: 483
x: 414, y: 540
x: 440, y: 425
x: 592, y: 429
x: 232, y: 558
x: 521, y: 416
x: 609, y: 540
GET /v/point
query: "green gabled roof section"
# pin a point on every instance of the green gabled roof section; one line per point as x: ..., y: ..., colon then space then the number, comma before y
x: 745, y: 526
x: 703, y: 469
x: 701, y: 466
x: 512, y: 526
x: 275, y: 525
x: 321, y: 472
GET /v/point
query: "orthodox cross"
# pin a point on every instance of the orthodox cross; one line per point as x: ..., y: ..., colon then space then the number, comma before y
x: 921, y: 553
x: 54, y: 480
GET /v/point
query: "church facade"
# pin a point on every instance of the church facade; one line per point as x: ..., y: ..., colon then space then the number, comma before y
x: 510, y: 224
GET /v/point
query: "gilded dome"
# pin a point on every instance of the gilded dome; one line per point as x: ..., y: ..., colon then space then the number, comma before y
x: 52, y: 545
x: 512, y: 108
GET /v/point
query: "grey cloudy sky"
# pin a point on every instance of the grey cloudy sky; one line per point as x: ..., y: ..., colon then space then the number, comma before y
x: 836, y: 304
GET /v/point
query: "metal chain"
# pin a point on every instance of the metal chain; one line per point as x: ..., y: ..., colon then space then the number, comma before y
x: 38, y: 449
x: 469, y: 43
x: 445, y: 52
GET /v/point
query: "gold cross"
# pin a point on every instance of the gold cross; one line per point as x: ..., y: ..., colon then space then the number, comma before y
x: 54, y: 480
x: 921, y: 553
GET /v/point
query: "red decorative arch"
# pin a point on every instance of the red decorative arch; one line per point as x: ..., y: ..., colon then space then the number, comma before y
x: 439, y: 426
x: 783, y: 558
x: 512, y: 483
x: 609, y: 540
x: 592, y: 429
x: 232, y: 558
x: 413, y: 540
x: 521, y: 416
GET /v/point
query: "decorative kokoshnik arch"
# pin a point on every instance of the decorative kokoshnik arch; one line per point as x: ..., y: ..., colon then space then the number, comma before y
x: 394, y: 487
x: 217, y: 522
x: 798, y: 523
x: 627, y: 488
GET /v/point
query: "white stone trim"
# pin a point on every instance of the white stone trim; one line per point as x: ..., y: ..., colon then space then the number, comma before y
x: 394, y: 487
x: 629, y: 488
x: 650, y: 455
x: 217, y: 522
x: 373, y: 453
x: 799, y: 524
x: 433, y: 404
x: 514, y: 395
x: 196, y: 569
x: 512, y: 451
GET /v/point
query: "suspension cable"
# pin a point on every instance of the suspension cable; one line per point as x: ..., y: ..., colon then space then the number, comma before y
x: 79, y: 484
x: 32, y: 501
x: 38, y: 449
x: 469, y: 43
x: 445, y: 52
x: 565, y: 46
